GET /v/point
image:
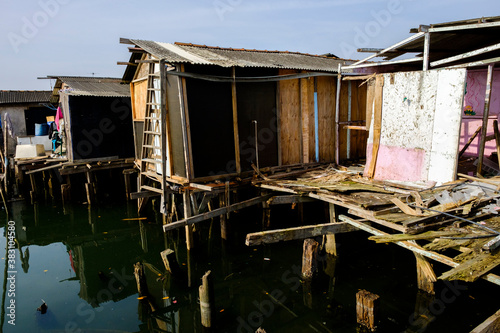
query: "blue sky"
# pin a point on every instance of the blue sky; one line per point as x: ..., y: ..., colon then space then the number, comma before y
x: 81, y: 37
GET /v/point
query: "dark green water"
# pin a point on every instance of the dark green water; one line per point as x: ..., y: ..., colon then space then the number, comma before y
x: 80, y: 262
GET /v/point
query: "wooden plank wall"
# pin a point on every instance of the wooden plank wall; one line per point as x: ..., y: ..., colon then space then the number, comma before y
x: 358, y: 112
x: 307, y: 119
x: 290, y: 120
x: 358, y: 138
x: 326, y: 87
x: 297, y: 126
x: 139, y: 93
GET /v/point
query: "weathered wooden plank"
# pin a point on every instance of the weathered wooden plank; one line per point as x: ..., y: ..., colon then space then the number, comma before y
x: 215, y: 213
x: 289, y: 199
x: 406, y: 237
x: 235, y: 122
x: 143, y: 194
x: 462, y: 151
x: 490, y: 325
x: 274, y: 236
x: 290, y: 129
x: 473, y: 269
x: 377, y: 124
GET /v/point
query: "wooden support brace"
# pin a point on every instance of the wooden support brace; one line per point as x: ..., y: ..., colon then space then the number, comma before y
x: 274, y: 236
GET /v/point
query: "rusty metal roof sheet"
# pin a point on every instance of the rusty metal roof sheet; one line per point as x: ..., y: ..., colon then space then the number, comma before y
x: 92, y: 86
x: 24, y: 96
x: 229, y: 57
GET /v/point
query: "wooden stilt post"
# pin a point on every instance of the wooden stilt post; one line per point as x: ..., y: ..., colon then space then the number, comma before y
x: 330, y: 242
x: 33, y: 188
x: 486, y: 113
x: 187, y: 213
x: 425, y: 274
x: 128, y: 185
x: 170, y: 262
x: 207, y: 301
x: 223, y: 217
x: 367, y: 307
x: 309, y: 258
x: 89, y: 187
x: 140, y: 279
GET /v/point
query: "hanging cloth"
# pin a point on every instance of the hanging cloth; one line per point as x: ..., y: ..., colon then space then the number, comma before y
x: 59, y: 115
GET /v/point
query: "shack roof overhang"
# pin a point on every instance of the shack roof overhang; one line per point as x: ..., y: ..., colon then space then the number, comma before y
x: 89, y: 86
x: 24, y: 96
x: 468, y: 43
x: 184, y: 53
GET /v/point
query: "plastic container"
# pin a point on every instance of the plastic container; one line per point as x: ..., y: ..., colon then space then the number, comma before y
x: 41, y: 129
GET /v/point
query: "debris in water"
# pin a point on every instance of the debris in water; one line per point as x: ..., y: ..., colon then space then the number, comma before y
x: 42, y: 308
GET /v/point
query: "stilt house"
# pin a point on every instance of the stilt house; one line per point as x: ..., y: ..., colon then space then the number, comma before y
x: 427, y: 110
x: 204, y: 113
x: 97, y: 117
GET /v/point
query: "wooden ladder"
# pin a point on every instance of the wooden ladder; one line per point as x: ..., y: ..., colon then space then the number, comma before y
x: 154, y: 146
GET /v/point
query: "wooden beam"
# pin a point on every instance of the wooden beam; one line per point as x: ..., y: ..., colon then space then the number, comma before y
x: 466, y: 55
x: 377, y: 125
x: 477, y: 63
x: 427, y: 44
x: 289, y: 199
x: 486, y: 113
x: 470, y: 141
x: 188, y: 152
x: 274, y: 236
x: 385, y: 63
x: 465, y: 27
x: 126, y: 41
x: 125, y: 63
x: 216, y: 212
x: 235, y: 123
x: 46, y: 168
x: 337, y: 116
x: 392, y: 48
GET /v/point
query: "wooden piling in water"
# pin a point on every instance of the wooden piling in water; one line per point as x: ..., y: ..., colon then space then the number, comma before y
x: 170, y: 262
x: 207, y: 301
x: 309, y: 258
x: 223, y: 217
x: 128, y: 185
x: 187, y: 213
x: 140, y: 279
x: 367, y: 308
x: 330, y: 241
x: 33, y: 188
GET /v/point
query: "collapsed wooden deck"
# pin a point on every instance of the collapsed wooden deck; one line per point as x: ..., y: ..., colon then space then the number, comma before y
x: 460, y: 215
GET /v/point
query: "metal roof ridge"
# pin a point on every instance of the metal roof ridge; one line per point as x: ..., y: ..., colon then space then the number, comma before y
x: 250, y: 50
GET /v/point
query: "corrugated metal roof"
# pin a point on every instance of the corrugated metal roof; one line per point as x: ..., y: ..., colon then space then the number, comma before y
x: 228, y: 57
x: 93, y: 86
x: 24, y: 96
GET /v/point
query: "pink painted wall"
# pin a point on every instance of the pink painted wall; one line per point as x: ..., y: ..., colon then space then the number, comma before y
x: 476, y: 89
x: 410, y: 163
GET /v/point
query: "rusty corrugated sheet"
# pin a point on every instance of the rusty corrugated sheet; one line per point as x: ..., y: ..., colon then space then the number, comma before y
x: 94, y: 86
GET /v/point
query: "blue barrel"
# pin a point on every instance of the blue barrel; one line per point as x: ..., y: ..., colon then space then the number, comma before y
x: 41, y: 129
